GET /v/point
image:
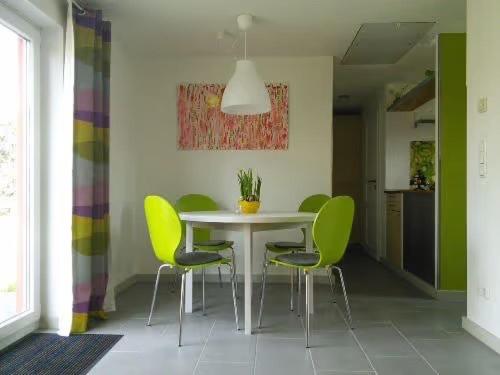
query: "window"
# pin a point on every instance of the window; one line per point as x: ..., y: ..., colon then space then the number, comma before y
x: 18, y: 172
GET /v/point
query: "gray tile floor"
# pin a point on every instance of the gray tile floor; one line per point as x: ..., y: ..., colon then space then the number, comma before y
x: 397, y: 331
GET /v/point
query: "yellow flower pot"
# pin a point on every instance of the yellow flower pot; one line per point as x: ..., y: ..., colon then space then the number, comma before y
x: 249, y: 207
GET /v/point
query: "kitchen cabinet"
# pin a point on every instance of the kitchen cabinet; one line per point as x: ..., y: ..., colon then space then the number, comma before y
x: 410, y: 232
x: 418, y: 235
x: 394, y: 229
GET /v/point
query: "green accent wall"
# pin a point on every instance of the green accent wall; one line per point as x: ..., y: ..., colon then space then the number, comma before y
x: 453, y: 161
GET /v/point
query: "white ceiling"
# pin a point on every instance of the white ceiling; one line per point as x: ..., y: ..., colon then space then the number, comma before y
x: 385, y: 43
x: 283, y: 27
x: 359, y: 81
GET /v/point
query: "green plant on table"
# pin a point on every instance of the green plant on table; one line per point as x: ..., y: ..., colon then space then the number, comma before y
x: 249, y: 189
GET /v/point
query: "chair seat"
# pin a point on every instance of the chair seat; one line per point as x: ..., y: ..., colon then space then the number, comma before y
x: 290, y: 245
x: 213, y: 245
x: 283, y: 246
x: 298, y: 259
x: 210, y: 243
x: 197, y: 258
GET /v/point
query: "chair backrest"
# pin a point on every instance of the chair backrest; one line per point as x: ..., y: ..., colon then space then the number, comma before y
x: 196, y: 202
x: 313, y: 203
x: 164, y: 226
x: 332, y: 229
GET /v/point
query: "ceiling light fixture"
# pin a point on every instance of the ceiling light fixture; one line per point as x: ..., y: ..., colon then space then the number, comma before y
x: 245, y: 93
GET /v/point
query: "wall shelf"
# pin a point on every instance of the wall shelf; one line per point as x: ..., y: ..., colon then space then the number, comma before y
x: 416, y: 97
x: 423, y: 121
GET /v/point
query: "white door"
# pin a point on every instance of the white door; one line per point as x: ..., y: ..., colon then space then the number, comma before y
x: 19, y: 296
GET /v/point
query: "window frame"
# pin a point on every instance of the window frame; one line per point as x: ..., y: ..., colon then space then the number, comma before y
x: 19, y: 325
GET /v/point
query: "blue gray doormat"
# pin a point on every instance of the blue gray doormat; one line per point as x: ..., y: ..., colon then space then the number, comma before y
x: 48, y: 353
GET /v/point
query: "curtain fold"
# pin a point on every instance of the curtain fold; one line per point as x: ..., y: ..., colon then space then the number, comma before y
x: 90, y: 223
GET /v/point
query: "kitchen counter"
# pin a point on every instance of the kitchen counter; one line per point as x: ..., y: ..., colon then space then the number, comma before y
x: 397, y: 191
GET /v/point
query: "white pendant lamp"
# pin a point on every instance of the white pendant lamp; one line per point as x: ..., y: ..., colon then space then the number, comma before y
x: 245, y: 93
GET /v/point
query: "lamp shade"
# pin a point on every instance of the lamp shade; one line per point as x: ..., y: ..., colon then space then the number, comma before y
x: 245, y: 93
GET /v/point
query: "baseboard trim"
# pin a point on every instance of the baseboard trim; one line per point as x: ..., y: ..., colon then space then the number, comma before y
x: 452, y: 295
x: 125, y: 284
x: 213, y: 278
x: 372, y: 253
x: 49, y: 323
x: 415, y: 281
x: 483, y: 335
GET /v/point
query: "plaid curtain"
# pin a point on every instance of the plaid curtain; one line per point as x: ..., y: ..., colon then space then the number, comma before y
x: 90, y: 227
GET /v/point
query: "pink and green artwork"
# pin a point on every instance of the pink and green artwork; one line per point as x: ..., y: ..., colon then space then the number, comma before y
x: 203, y: 126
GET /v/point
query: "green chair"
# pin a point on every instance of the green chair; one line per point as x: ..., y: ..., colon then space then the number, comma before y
x: 165, y: 232
x: 202, y: 237
x: 331, y: 231
x: 312, y: 204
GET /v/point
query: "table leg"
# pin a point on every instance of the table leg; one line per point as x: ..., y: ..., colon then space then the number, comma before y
x: 189, y: 276
x: 247, y: 245
x: 310, y: 286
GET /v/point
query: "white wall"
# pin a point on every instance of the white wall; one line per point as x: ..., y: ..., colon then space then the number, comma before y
x: 483, y: 203
x: 145, y: 159
x: 45, y: 14
x: 399, y: 132
x: 123, y: 164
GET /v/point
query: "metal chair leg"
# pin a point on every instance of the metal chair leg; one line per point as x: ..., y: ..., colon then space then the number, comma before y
x: 220, y: 277
x: 308, y: 308
x: 154, y: 293
x: 347, y: 307
x: 299, y: 296
x: 291, y: 289
x: 329, y: 272
x: 235, y: 277
x: 181, y: 305
x: 297, y: 278
x: 262, y: 293
x: 203, y: 291
x: 233, y: 287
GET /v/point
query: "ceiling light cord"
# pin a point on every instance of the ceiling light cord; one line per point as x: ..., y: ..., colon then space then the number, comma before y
x: 245, y: 45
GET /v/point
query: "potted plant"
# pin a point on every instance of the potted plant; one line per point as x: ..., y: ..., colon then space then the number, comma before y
x: 250, y: 192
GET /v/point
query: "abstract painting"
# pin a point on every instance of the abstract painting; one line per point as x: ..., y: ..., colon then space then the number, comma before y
x: 203, y: 126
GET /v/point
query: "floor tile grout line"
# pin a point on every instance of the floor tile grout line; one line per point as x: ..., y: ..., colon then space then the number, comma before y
x: 204, y: 346
x: 255, y: 355
x: 163, y: 333
x: 282, y: 338
x: 312, y: 361
x: 364, y: 352
x: 309, y: 349
x: 226, y: 362
x: 356, y: 339
x: 393, y: 356
x: 415, y: 349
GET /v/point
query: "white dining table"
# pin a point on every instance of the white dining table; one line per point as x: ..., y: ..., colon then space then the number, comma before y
x: 247, y: 224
